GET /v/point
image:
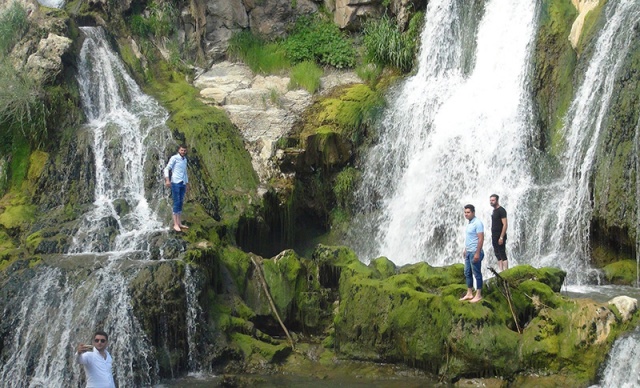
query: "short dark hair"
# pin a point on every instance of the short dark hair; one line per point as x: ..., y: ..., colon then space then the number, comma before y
x: 102, y: 333
x: 182, y: 146
x: 470, y: 207
x: 496, y: 196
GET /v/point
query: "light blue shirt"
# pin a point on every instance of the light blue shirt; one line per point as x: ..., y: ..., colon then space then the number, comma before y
x: 474, y: 227
x: 178, y: 166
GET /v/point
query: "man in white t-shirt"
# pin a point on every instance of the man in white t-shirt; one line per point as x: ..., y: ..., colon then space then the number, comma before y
x: 97, y: 362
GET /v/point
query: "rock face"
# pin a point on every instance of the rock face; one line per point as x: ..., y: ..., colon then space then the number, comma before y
x: 46, y: 63
x: 262, y: 107
x: 583, y: 7
x: 626, y: 305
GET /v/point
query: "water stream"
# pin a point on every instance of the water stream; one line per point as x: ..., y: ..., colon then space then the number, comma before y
x: 88, y: 289
x: 455, y: 133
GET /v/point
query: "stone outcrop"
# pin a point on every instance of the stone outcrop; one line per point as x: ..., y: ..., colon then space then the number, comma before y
x: 262, y: 107
x: 46, y: 63
x: 625, y: 305
x: 351, y: 13
x: 583, y: 7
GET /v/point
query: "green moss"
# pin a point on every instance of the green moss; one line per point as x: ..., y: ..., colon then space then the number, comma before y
x: 555, y: 62
x: 238, y: 263
x: 383, y: 266
x: 221, y: 173
x: 593, y: 22
x: 17, y: 212
x: 267, y: 352
x: 622, y: 272
x: 33, y: 240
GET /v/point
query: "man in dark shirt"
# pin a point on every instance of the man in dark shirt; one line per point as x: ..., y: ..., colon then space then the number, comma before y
x: 499, y: 231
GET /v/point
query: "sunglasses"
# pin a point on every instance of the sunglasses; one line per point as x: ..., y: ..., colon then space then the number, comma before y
x: 101, y: 340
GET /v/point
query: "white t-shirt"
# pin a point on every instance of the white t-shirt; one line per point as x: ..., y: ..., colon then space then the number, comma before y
x: 97, y: 369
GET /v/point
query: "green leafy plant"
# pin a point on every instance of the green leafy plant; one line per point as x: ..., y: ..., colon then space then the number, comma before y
x: 160, y: 20
x: 261, y: 56
x: 386, y: 45
x: 13, y: 25
x: 306, y: 75
x: 317, y: 39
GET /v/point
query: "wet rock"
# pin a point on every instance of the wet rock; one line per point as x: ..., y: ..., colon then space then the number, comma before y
x: 625, y: 305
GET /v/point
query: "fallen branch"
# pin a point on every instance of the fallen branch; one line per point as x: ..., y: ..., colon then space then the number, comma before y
x: 263, y: 282
x: 507, y: 294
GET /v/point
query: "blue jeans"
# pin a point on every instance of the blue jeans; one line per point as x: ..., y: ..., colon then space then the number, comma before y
x: 476, y: 268
x: 177, y: 193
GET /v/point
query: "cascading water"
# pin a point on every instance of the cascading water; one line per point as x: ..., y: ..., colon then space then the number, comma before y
x: 62, y: 306
x: 455, y: 134
x: 623, y: 366
x: 129, y: 134
x: 560, y: 235
x: 453, y: 137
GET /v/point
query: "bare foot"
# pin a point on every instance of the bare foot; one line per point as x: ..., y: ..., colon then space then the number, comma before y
x: 184, y: 226
x: 177, y: 228
x: 475, y: 300
x: 466, y: 297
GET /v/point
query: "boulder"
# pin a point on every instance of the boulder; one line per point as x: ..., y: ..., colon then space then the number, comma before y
x: 46, y: 63
x: 625, y: 305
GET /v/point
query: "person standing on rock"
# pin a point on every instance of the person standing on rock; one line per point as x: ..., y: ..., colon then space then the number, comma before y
x: 175, y: 177
x: 473, y: 254
x: 97, y: 362
x: 499, y: 231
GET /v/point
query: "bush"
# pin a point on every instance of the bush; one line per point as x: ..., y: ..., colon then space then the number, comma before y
x: 160, y: 22
x: 306, y: 75
x: 13, y: 25
x: 386, y: 45
x: 261, y: 56
x: 319, y: 40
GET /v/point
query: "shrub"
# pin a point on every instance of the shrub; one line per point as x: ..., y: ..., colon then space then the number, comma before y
x: 261, y: 56
x: 13, y: 25
x: 319, y: 40
x: 306, y: 75
x: 160, y: 22
x: 386, y: 45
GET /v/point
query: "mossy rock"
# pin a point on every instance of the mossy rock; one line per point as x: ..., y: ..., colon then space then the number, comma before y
x: 266, y: 352
x: 16, y: 212
x: 622, y: 272
x: 553, y: 277
x: 383, y: 266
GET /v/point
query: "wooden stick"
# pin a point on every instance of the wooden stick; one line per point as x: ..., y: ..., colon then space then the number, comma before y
x: 263, y: 282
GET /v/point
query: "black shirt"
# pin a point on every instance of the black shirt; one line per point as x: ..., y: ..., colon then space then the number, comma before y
x: 496, y: 221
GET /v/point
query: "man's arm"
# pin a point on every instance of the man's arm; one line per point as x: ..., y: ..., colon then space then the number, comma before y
x: 504, y: 230
x: 476, y: 257
x: 169, y: 166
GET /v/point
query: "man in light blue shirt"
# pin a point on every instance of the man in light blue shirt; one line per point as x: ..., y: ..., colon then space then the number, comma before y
x: 179, y: 184
x: 473, y: 254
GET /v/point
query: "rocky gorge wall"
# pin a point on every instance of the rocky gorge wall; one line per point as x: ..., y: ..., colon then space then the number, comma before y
x: 319, y: 297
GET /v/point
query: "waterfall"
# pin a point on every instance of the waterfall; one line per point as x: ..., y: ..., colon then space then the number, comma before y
x: 58, y: 312
x: 70, y: 297
x: 622, y: 369
x: 129, y: 135
x: 561, y: 233
x: 455, y: 133
x: 460, y: 129
x: 193, y: 314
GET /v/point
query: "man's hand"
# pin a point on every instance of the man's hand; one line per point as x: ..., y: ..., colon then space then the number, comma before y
x: 166, y: 182
x: 84, y: 348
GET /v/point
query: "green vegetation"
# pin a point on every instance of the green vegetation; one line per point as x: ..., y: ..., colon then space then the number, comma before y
x: 160, y: 20
x: 306, y: 75
x: 555, y: 62
x: 314, y: 38
x: 13, y: 25
x: 386, y: 45
x: 261, y: 56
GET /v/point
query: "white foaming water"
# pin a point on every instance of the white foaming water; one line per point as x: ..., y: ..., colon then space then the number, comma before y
x: 560, y: 235
x: 52, y: 3
x: 193, y: 315
x: 58, y: 312
x: 129, y: 133
x: 623, y: 365
x: 452, y: 138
